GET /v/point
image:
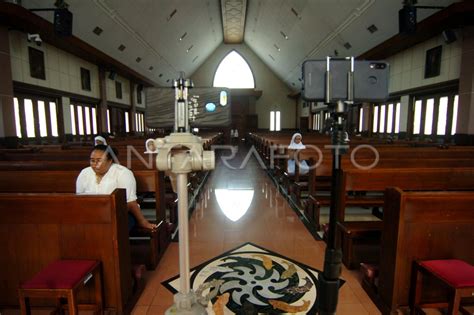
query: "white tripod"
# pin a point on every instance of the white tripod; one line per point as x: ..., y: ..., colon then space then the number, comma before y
x: 181, y: 152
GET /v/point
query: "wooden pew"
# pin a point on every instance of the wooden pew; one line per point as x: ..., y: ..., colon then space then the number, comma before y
x: 420, y: 226
x: 65, y: 182
x: 388, y: 157
x: 36, y: 229
x: 377, y: 179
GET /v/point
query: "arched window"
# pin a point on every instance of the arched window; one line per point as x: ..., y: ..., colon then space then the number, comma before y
x: 234, y: 72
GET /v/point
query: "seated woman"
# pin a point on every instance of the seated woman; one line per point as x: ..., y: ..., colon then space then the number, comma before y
x: 295, y: 145
x: 103, y: 176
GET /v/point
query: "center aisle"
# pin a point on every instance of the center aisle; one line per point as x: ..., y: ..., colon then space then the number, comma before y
x: 269, y: 222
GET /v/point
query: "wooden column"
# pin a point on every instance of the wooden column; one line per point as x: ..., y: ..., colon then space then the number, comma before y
x: 7, y: 126
x: 465, y: 121
x: 133, y: 108
x: 102, y: 108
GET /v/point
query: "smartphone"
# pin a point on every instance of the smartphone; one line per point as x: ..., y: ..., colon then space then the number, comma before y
x: 370, y: 80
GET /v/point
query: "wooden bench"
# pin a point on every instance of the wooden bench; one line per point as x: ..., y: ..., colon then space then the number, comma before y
x: 376, y: 180
x: 65, y: 182
x: 37, y: 229
x: 319, y: 179
x: 360, y: 242
x: 420, y: 226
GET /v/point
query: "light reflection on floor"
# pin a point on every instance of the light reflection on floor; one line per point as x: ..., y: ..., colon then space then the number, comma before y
x: 234, y: 203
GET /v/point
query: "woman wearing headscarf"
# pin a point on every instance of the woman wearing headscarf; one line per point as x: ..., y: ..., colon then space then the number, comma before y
x: 296, y: 144
x: 99, y: 140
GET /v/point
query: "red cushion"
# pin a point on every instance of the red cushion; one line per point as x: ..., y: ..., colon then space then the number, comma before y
x: 456, y: 273
x: 61, y: 274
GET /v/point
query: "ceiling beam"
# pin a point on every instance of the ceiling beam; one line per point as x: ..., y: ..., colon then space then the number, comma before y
x: 233, y: 20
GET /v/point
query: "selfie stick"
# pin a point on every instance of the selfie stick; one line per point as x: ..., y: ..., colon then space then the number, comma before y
x: 329, y: 280
x: 181, y: 152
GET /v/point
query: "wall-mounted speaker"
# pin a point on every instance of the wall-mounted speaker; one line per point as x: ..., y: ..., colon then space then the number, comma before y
x: 63, y: 22
x: 407, y: 20
x: 449, y: 36
x: 112, y: 75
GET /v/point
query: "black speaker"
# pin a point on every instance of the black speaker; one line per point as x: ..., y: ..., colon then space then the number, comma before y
x: 407, y: 20
x: 449, y: 36
x: 112, y: 75
x: 63, y: 22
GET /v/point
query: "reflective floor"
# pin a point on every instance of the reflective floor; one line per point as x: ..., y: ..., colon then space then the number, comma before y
x: 241, y: 204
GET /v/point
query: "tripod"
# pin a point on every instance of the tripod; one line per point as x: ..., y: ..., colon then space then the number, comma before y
x: 181, y: 152
x: 329, y: 280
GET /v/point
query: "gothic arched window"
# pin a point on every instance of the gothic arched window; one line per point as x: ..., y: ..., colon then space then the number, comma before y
x: 234, y: 72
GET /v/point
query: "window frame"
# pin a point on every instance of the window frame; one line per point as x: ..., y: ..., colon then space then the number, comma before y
x: 36, y: 99
x: 37, y: 63
x: 118, y: 90
x: 86, y: 79
x: 75, y: 104
x: 450, y: 94
x: 246, y: 61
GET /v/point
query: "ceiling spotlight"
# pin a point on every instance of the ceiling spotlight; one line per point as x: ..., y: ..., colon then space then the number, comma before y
x: 189, y: 49
x: 347, y: 45
x: 276, y: 47
x: 271, y: 57
x: 295, y: 13
x: 183, y: 36
x: 97, y: 31
x: 171, y: 15
x: 150, y: 68
x: 284, y: 35
x: 138, y: 59
x: 372, y: 28
x: 121, y: 48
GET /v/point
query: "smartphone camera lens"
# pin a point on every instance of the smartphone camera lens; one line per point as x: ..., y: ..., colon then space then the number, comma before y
x: 379, y: 65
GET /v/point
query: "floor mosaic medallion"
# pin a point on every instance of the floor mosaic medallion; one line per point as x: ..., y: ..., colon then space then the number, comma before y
x: 253, y: 280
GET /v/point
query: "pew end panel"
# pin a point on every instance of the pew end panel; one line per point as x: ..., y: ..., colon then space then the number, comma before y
x: 421, y: 226
x: 36, y: 229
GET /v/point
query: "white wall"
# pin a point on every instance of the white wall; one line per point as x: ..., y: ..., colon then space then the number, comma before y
x: 63, y: 71
x: 112, y: 96
x: 407, y: 68
x: 274, y: 91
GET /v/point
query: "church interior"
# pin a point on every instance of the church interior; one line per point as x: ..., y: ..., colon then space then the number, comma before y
x: 236, y: 157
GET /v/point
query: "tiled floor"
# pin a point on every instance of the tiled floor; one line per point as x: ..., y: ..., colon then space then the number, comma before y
x: 269, y: 222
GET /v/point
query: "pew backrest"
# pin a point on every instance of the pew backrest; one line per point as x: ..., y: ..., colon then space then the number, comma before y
x: 65, y: 182
x: 36, y: 229
x: 421, y: 226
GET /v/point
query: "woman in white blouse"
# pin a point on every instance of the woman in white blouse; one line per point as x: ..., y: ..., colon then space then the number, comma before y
x: 103, y: 176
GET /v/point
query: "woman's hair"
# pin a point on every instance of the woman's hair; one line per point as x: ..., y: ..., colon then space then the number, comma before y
x: 111, y: 153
